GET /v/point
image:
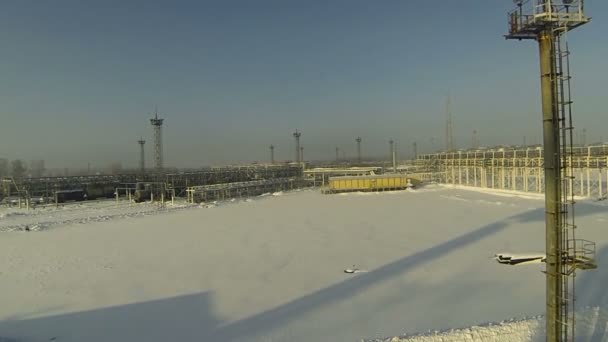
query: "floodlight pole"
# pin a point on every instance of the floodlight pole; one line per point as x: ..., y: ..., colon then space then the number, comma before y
x: 552, y: 153
x: 546, y: 21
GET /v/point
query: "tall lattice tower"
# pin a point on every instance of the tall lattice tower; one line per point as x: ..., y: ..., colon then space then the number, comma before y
x: 157, y: 125
x: 142, y: 163
x: 358, y: 140
x: 297, y: 136
x: 337, y: 154
x: 449, y: 137
x: 548, y: 22
x: 415, y: 147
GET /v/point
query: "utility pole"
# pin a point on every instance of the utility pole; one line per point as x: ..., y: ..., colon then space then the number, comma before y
x: 358, y: 140
x: 475, y: 141
x: 272, y: 154
x: 584, y: 137
x: 142, y: 163
x: 449, y: 138
x: 393, y: 155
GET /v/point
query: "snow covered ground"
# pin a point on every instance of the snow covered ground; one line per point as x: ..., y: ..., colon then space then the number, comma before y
x: 49, y: 216
x: 522, y: 330
x: 271, y: 269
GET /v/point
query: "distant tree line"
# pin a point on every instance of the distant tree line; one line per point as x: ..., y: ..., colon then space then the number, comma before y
x: 36, y: 168
x: 19, y: 169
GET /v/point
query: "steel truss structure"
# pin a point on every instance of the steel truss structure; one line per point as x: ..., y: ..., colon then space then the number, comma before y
x: 197, y: 194
x: 106, y: 185
x: 519, y: 169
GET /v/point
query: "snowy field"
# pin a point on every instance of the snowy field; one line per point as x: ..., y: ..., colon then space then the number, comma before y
x: 271, y: 269
x: 49, y: 216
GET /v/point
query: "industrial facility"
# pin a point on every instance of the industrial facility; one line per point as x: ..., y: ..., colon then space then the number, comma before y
x: 364, y: 194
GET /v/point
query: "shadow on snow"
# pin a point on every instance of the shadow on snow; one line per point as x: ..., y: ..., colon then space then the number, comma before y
x: 191, y: 318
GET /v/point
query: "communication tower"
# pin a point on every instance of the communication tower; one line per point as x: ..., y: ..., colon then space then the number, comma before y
x: 297, y: 136
x: 157, y: 125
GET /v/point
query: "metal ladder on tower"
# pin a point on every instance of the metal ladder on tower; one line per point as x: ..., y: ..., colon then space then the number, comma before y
x: 575, y: 253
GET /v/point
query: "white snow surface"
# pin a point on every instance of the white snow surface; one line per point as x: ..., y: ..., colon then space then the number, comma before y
x: 591, y: 326
x: 523, y: 330
x: 272, y: 269
x: 45, y: 217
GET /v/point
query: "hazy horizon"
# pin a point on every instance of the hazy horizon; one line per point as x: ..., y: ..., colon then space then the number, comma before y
x: 80, y: 81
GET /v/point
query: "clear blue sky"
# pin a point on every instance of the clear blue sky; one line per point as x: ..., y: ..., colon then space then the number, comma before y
x: 79, y: 79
